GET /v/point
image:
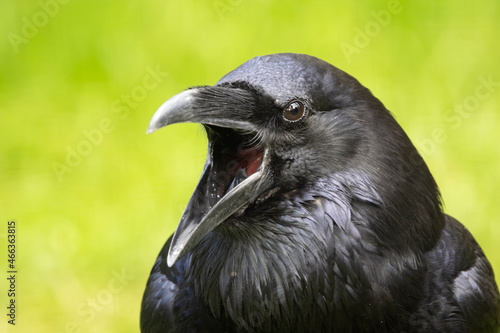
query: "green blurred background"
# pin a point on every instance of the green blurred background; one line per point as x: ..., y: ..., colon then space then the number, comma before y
x: 95, y: 198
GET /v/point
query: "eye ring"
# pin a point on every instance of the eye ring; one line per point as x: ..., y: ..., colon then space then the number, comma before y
x: 294, y: 112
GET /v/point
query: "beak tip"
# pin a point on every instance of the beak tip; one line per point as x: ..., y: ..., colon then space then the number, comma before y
x: 158, y: 121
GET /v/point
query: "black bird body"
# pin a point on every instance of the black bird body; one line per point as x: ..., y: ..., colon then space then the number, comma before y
x: 315, y: 213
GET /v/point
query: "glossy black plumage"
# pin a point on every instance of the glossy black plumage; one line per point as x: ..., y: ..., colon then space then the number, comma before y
x: 339, y: 230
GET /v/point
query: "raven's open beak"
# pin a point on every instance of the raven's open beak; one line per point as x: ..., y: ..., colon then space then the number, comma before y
x: 233, y: 176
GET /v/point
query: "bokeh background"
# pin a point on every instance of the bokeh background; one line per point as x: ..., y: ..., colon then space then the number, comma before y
x: 95, y: 198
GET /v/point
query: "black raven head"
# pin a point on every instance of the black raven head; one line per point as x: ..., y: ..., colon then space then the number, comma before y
x: 281, y: 123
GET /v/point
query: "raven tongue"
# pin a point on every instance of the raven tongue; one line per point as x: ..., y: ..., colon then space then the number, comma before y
x: 250, y: 160
x: 254, y: 163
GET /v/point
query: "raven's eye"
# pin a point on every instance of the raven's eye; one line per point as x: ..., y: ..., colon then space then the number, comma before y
x: 295, y: 111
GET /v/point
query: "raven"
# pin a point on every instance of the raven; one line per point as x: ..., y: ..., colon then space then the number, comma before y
x: 314, y: 213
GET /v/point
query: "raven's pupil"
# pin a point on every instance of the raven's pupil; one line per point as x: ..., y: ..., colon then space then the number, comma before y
x: 294, y: 111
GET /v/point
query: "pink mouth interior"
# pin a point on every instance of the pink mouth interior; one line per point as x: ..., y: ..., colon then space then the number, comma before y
x: 250, y: 160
